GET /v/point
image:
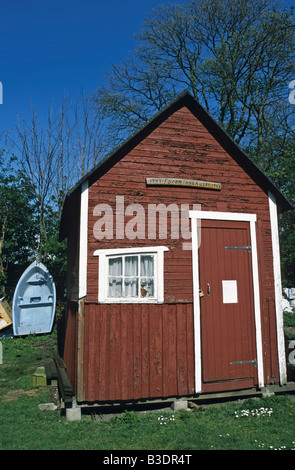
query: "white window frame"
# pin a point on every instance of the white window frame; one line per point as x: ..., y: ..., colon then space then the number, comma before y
x: 105, y: 254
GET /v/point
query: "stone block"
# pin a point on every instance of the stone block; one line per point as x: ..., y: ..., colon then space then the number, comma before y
x: 73, y: 414
x: 180, y: 405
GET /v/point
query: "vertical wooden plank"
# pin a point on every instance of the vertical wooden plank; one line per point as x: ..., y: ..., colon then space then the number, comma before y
x: 125, y: 352
x: 273, y: 211
x: 68, y: 350
x: 156, y: 351
x: 169, y: 351
x: 219, y: 314
x: 274, y: 374
x: 80, y: 351
x: 166, y: 350
x: 207, y: 318
x: 230, y: 322
x: 137, y: 359
x: 90, y: 353
x: 87, y: 384
x: 173, y: 349
x: 189, y: 311
x: 247, y: 299
x: 145, y: 361
x: 104, y: 358
x: 96, y: 339
x: 181, y: 350
x: 129, y: 348
x: 114, y: 375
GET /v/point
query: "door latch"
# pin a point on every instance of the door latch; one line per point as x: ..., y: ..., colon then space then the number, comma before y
x: 249, y: 248
x: 245, y: 362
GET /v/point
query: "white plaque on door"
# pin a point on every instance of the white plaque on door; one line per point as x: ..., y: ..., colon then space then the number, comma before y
x: 230, y: 292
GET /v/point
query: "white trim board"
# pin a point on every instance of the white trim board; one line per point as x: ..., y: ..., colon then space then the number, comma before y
x: 230, y: 216
x: 83, y: 244
x: 277, y: 286
x: 222, y: 216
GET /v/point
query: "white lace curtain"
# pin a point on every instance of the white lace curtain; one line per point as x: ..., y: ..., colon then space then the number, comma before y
x: 131, y: 276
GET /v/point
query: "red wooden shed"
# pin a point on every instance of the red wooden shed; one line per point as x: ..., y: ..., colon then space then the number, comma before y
x: 174, y: 286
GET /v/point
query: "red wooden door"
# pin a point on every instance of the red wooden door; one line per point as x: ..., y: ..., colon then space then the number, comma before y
x: 227, y: 307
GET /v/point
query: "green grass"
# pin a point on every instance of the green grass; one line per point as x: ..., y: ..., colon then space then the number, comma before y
x: 227, y: 426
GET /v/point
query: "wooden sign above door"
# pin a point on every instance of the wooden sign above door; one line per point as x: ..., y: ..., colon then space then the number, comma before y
x: 183, y: 182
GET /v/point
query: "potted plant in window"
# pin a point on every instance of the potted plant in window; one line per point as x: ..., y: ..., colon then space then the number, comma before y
x: 143, y: 289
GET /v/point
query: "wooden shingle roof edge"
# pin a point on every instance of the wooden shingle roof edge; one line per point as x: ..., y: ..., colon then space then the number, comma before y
x: 183, y: 99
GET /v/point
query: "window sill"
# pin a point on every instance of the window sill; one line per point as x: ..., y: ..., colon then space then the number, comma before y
x: 131, y: 301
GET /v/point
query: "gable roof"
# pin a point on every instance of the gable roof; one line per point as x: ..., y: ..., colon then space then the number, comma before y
x: 224, y: 139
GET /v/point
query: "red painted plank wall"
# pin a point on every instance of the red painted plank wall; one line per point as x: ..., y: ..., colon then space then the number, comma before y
x: 134, y: 352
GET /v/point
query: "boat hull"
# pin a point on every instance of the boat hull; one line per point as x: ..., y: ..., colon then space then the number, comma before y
x: 34, y: 301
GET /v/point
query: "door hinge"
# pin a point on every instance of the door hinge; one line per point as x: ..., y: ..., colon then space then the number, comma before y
x: 245, y: 362
x: 249, y: 248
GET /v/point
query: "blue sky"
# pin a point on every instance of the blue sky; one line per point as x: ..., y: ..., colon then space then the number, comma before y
x: 52, y: 47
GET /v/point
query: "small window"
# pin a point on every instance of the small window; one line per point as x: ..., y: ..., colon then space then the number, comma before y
x: 131, y: 275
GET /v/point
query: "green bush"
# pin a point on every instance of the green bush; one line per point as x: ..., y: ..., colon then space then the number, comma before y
x: 289, y: 318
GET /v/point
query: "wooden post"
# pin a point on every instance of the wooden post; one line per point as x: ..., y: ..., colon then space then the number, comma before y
x: 80, y: 350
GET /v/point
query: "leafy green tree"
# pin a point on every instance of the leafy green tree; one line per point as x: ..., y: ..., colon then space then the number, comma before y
x: 17, y: 223
x: 54, y: 251
x: 235, y: 56
x: 282, y: 172
x: 19, y: 230
x: 287, y: 235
